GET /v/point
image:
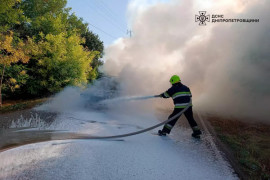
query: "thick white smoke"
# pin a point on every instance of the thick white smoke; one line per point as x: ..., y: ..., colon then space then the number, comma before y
x: 226, y: 65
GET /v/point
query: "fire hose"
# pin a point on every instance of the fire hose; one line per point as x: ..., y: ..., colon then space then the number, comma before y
x: 11, y: 140
x: 82, y: 136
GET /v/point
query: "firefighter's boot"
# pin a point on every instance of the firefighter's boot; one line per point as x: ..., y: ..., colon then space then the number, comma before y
x: 196, y: 132
x: 161, y: 133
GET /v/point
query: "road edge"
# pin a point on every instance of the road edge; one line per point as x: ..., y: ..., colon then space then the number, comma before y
x: 217, y: 144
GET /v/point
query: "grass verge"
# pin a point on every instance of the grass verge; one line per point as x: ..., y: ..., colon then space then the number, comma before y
x: 11, y: 106
x: 249, y: 143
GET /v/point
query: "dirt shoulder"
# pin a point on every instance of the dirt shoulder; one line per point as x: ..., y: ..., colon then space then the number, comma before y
x: 245, y: 145
x: 16, y: 105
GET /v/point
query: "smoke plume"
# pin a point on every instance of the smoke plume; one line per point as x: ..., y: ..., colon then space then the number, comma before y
x: 226, y: 65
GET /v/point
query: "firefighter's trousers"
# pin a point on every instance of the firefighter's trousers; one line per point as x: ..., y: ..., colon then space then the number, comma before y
x: 189, y: 115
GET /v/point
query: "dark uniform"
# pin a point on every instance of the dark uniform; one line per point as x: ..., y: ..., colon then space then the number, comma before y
x: 181, y: 96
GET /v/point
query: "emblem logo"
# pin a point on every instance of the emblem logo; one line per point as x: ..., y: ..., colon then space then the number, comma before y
x: 202, y: 18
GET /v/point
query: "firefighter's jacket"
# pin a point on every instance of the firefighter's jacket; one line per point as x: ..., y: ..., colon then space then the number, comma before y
x: 180, y: 94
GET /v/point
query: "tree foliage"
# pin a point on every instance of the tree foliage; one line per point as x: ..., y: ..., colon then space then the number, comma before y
x: 10, y: 14
x: 11, y: 53
x: 43, y: 48
x: 63, y: 61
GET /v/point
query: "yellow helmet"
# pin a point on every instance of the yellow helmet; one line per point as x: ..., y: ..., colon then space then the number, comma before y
x: 175, y: 79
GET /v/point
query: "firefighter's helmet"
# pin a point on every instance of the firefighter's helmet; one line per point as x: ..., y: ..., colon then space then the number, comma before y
x: 175, y: 79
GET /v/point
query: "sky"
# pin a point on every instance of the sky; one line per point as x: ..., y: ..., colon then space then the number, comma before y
x: 107, y: 18
x: 110, y: 19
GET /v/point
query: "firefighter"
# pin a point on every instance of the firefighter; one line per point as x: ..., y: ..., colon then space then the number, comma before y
x: 181, y: 96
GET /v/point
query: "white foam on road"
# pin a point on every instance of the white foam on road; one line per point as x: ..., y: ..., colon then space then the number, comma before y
x: 144, y: 156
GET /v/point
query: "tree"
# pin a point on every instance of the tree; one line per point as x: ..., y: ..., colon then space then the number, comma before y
x: 10, y: 14
x: 93, y: 43
x: 37, y: 8
x: 61, y: 51
x: 75, y: 23
x: 14, y: 81
x: 10, y: 52
x: 63, y: 61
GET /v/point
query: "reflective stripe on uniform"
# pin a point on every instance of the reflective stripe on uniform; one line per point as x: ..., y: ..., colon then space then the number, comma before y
x: 195, y: 128
x: 168, y: 126
x: 182, y: 105
x: 166, y: 94
x: 179, y: 95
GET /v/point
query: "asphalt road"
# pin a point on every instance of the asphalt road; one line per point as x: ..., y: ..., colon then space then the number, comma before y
x: 144, y: 156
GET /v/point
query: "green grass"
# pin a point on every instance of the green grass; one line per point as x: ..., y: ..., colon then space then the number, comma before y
x: 12, y: 106
x: 250, y: 144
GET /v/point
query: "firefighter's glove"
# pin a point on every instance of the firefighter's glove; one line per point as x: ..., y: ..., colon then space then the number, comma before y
x: 158, y: 95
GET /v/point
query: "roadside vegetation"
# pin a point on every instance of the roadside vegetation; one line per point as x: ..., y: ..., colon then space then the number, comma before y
x: 15, y: 105
x: 43, y: 48
x: 249, y: 143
